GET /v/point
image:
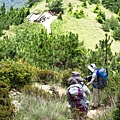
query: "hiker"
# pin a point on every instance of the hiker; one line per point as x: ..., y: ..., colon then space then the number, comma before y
x: 76, y: 95
x: 96, y: 92
x: 78, y: 80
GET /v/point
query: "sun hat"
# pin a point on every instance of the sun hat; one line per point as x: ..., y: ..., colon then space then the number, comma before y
x: 92, y: 67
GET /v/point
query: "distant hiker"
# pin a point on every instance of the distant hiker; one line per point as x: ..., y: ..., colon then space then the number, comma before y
x: 98, y: 79
x: 76, y: 96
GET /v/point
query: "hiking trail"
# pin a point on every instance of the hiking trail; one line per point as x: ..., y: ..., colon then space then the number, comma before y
x: 49, y: 19
x: 96, y: 113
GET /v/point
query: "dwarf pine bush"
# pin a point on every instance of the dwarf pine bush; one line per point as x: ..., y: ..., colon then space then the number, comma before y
x: 6, y: 108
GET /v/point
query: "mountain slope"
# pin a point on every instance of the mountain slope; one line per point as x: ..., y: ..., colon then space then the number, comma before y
x: 88, y: 29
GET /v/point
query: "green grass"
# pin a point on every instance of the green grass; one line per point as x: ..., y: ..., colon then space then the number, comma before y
x: 37, y: 108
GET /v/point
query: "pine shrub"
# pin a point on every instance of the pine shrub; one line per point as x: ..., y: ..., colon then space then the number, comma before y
x: 36, y: 92
x: 116, y: 112
x: 59, y: 16
x: 116, y: 34
x: 45, y: 76
x: 15, y: 74
x: 6, y: 108
x: 101, y: 17
x: 97, y: 9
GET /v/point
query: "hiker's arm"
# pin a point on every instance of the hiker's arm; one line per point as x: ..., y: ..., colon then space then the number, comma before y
x: 86, y: 90
x: 68, y: 97
x: 92, y: 80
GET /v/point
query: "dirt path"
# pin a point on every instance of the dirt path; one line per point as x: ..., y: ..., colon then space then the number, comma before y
x: 61, y: 91
x: 94, y: 113
x: 48, y: 21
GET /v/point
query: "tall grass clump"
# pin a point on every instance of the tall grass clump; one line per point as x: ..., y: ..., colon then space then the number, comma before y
x: 37, y: 108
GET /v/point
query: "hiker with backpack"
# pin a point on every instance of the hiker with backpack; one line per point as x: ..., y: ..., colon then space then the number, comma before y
x: 76, y: 96
x: 98, y: 79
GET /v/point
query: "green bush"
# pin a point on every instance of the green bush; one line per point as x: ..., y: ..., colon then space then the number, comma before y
x: 64, y: 75
x: 118, y: 15
x: 97, y: 9
x: 106, y: 26
x: 95, y: 1
x: 35, y: 91
x: 84, y: 4
x: 111, y: 23
x: 11, y: 17
x: 56, y: 6
x: 45, y: 76
x: 116, y: 34
x: 59, y: 16
x: 16, y: 74
x: 78, y: 14
x: 6, y: 109
x: 101, y: 17
x: 116, y: 112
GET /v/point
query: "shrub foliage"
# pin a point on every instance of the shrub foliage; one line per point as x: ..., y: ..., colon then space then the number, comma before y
x: 15, y: 74
x: 6, y: 108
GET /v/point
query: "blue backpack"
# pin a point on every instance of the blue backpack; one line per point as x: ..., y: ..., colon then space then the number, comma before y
x: 102, y: 78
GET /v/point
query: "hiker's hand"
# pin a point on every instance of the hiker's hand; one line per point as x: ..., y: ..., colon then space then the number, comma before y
x: 88, y: 78
x: 87, y: 84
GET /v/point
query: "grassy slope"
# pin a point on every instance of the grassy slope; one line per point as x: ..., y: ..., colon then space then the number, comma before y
x: 87, y: 28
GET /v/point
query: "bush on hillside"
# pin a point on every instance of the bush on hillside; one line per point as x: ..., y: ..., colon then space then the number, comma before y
x: 84, y: 4
x: 36, y: 92
x: 112, y: 5
x: 6, y: 108
x: 59, y: 16
x: 118, y: 15
x: 78, y: 14
x: 106, y: 26
x: 116, y: 34
x: 64, y: 75
x: 101, y: 17
x: 11, y: 17
x: 45, y: 76
x: 94, y: 1
x: 30, y: 3
x: 111, y: 23
x: 97, y: 9
x: 56, y: 6
x: 116, y: 112
x: 15, y: 74
x: 37, y: 47
x: 70, y: 8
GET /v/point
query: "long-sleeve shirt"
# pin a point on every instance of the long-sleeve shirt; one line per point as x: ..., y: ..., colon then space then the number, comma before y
x: 94, y: 78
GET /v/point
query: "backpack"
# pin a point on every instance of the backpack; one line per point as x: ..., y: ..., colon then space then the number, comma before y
x: 77, y: 97
x: 75, y: 92
x: 102, y: 79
